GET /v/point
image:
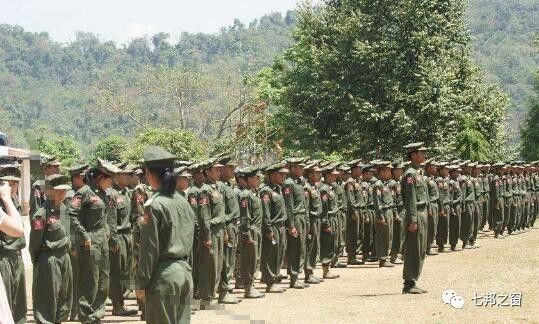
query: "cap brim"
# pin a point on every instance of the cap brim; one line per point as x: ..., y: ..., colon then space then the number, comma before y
x: 283, y: 170
x: 62, y: 187
x: 10, y: 178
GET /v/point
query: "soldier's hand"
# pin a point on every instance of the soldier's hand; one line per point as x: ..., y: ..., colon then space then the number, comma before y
x: 114, y: 248
x: 441, y: 214
x: 73, y: 252
x: 225, y: 238
x: 328, y: 229
x: 207, y: 244
x: 269, y: 236
x: 87, y: 244
x: 412, y: 227
x: 140, y: 295
x: 5, y: 191
x: 293, y: 232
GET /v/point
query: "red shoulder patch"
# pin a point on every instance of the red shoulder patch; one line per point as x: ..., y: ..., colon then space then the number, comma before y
x: 192, y: 201
x: 410, y: 180
x: 147, y: 218
x: 325, y: 197
x: 53, y: 219
x: 139, y: 198
x: 203, y: 201
x: 76, y: 201
x: 37, y: 224
x: 286, y: 191
x: 119, y: 200
x: 243, y: 203
x: 265, y: 197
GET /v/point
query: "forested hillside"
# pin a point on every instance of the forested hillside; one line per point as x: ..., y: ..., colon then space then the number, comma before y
x: 91, y: 88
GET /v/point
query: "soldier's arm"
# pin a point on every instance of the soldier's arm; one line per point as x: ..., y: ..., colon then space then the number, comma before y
x: 266, y: 212
x: 204, y: 215
x: 232, y: 203
x: 74, y: 211
x: 377, y: 203
x: 410, y: 199
x: 289, y: 198
x: 324, y: 217
x: 245, y: 215
x: 149, y: 246
x: 36, y: 234
x: 112, y: 218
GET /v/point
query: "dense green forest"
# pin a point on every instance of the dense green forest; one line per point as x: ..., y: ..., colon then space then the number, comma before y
x: 90, y: 89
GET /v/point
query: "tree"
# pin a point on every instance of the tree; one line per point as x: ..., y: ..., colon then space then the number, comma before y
x: 471, y: 144
x: 530, y: 131
x: 180, y: 142
x: 365, y: 77
x: 65, y: 148
x: 112, y: 148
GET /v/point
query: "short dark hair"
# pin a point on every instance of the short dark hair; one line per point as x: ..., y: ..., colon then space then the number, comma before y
x: 166, y: 174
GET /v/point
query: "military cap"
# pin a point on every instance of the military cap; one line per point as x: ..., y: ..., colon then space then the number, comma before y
x: 471, y: 164
x: 343, y: 167
x: 249, y: 171
x: 317, y: 162
x: 354, y: 163
x: 183, y: 163
x: 58, y: 182
x: 430, y: 161
x: 455, y: 162
x: 453, y: 167
x: 442, y: 164
x: 277, y: 167
x: 367, y: 167
x: 49, y: 160
x: 127, y: 168
x: 77, y: 169
x: 325, y: 163
x: 295, y: 161
x: 329, y: 169
x: 121, y: 165
x: 209, y: 163
x: 226, y: 160
x: 156, y: 155
x: 10, y: 172
x: 107, y: 167
x: 312, y: 167
x: 182, y: 171
x: 398, y: 164
x: 414, y: 147
x: 384, y: 164
x: 8, y: 159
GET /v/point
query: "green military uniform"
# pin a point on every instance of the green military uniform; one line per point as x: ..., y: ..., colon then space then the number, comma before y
x: 314, y: 206
x: 368, y: 216
x: 497, y: 192
x: 384, y: 205
x: 211, y: 219
x: 455, y: 218
x: 92, y: 217
x: 444, y: 210
x: 478, y: 210
x: 192, y: 197
x: 434, y: 196
x: 508, y: 200
x: 250, y: 207
x: 328, y: 225
x: 166, y: 239
x: 468, y: 208
x: 49, y: 246
x: 273, y: 223
x: 11, y: 263
x: 415, y: 196
x: 486, y: 200
x: 342, y: 206
x: 352, y: 221
x: 294, y: 198
x: 398, y: 214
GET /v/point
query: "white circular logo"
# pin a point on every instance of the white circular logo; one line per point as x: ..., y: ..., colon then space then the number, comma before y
x: 447, y: 295
x: 457, y: 302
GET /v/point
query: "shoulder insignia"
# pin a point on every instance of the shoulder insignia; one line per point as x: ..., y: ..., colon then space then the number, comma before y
x: 119, y: 200
x: 76, y: 201
x: 265, y: 197
x: 52, y: 219
x: 325, y: 197
x: 147, y: 218
x: 37, y: 224
x: 410, y: 179
x: 243, y: 203
x: 192, y: 201
x: 286, y: 190
x: 139, y: 197
x: 203, y: 201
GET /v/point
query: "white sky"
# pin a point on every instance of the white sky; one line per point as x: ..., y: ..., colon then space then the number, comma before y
x: 122, y: 20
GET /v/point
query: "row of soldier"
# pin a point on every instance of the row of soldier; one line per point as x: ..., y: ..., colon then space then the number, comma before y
x: 290, y: 214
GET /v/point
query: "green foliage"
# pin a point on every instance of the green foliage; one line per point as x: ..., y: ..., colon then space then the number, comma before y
x: 471, y: 144
x: 112, y: 148
x: 64, y: 148
x: 182, y: 143
x: 530, y: 131
x: 366, y: 77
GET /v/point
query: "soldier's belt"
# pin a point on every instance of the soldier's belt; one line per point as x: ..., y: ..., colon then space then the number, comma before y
x: 164, y: 258
x: 124, y: 230
x: 278, y: 224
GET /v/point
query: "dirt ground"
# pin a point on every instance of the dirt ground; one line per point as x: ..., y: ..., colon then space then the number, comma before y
x: 368, y: 294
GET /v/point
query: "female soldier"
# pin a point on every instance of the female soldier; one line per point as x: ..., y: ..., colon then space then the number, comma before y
x: 88, y: 212
x: 49, y: 246
x: 166, y: 240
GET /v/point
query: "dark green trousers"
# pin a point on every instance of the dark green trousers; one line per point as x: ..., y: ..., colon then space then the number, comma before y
x: 327, y: 242
x: 341, y: 242
x: 313, y: 246
x: 12, y: 270
x: 296, y: 249
x: 432, y: 224
x: 455, y: 220
x: 250, y: 254
x: 52, y: 290
x: 361, y: 227
x: 415, y: 247
x: 211, y: 264
x: 508, y: 209
x: 384, y: 234
x: 229, y: 257
x: 352, y: 227
x: 271, y: 258
x: 75, y: 294
x: 120, y: 268
x: 93, y: 280
x: 477, y: 219
x: 466, y: 226
x: 443, y: 226
x: 498, y: 215
x: 514, y: 214
x: 486, y: 211
x: 368, y: 233
x: 398, y: 236
x: 169, y: 293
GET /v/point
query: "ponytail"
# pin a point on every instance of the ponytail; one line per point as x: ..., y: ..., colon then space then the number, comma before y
x: 167, y: 177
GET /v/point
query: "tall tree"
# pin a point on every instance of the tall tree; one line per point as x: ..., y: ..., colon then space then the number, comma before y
x: 366, y: 77
x: 530, y: 131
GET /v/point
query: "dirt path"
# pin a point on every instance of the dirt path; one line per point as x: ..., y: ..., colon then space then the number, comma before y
x: 369, y: 294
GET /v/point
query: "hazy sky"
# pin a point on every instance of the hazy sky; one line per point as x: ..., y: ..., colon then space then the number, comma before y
x: 122, y: 20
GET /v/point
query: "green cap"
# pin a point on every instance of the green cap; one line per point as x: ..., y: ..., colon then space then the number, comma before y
x: 78, y: 169
x: 277, y: 167
x: 366, y: 167
x: 107, y: 167
x: 10, y: 172
x: 226, y: 160
x: 183, y: 171
x: 414, y: 147
x: 384, y: 164
x: 59, y: 182
x: 155, y: 155
x: 330, y: 169
x: 183, y: 163
x: 355, y: 163
x: 249, y: 171
x: 295, y: 161
x: 312, y: 167
x: 49, y: 160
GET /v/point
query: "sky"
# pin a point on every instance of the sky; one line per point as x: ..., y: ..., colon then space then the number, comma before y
x: 123, y: 20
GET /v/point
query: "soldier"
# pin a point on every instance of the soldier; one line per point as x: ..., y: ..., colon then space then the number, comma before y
x: 183, y: 181
x: 193, y: 196
x: 455, y: 218
x: 536, y: 191
x: 48, y: 247
x: 444, y: 205
x: 273, y: 225
x: 507, y: 197
x: 328, y: 221
x: 77, y: 174
x: 296, y: 224
x: 49, y: 166
x: 121, y: 249
x: 478, y: 211
x: 434, y: 196
x: 211, y: 219
x: 486, y: 213
x: 354, y: 224
x: 398, y: 212
x: 415, y: 196
x: 166, y: 237
x: 11, y: 262
x: 89, y: 213
x: 497, y: 190
x: 468, y: 207
x: 250, y: 230
x: 314, y: 204
x: 384, y: 205
x: 368, y: 213
x: 338, y: 187
x: 232, y: 215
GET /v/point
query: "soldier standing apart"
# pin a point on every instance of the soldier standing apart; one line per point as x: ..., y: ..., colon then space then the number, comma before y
x: 273, y: 225
x: 250, y: 230
x: 415, y: 197
x: 434, y: 196
x: 232, y: 215
x: 314, y: 206
x: 294, y: 198
x: 166, y: 238
x: 328, y: 222
x: 11, y: 262
x: 384, y: 212
x: 49, y: 245
x: 444, y: 205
